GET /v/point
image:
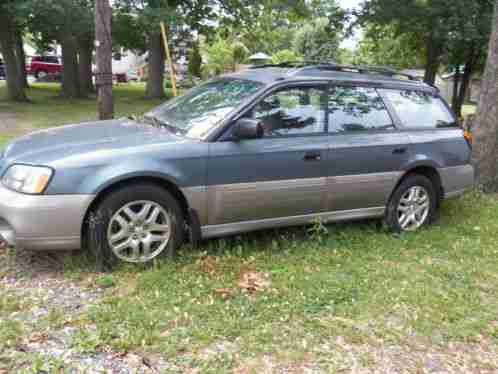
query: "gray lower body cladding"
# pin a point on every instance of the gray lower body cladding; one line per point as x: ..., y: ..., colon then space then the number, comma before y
x: 51, y: 222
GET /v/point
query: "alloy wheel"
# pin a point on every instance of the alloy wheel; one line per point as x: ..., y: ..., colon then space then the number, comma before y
x: 139, y: 231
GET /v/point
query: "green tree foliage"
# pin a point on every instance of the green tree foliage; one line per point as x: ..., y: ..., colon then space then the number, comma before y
x: 136, y: 26
x: 434, y: 22
x: 285, y: 55
x: 267, y: 25
x: 317, y: 40
x: 222, y: 55
x: 384, y: 46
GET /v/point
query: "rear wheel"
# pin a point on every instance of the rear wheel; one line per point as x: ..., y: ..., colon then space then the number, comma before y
x: 412, y: 205
x: 41, y: 74
x: 136, y: 224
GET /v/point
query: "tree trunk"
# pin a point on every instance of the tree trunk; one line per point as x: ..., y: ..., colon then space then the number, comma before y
x: 85, y: 50
x: 486, y: 125
x: 103, y: 15
x: 15, y: 90
x: 456, y: 85
x: 21, y: 60
x: 155, y: 81
x: 432, y: 62
x: 70, y: 77
x: 464, y: 86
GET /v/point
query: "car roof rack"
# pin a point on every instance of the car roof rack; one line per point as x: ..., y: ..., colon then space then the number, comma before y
x: 329, y: 66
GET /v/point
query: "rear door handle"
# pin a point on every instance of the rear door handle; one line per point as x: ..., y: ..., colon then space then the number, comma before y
x: 312, y: 156
x: 399, y: 151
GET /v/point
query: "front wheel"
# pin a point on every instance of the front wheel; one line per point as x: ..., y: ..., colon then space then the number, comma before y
x: 412, y: 205
x: 136, y: 224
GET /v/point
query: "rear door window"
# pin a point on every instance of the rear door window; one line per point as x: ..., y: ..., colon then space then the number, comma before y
x: 417, y: 109
x: 352, y: 109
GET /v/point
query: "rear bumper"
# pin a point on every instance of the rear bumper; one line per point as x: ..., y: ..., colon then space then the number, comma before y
x: 39, y: 222
x: 456, y: 180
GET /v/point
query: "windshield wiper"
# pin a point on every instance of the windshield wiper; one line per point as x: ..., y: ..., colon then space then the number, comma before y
x: 161, y: 123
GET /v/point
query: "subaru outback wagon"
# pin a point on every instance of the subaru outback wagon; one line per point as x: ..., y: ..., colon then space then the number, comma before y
x: 271, y: 146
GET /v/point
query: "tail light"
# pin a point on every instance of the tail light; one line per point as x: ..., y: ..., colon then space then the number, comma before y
x: 468, y: 137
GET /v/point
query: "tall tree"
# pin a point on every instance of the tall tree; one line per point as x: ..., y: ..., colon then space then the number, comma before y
x: 136, y: 26
x: 103, y: 16
x: 467, y: 43
x: 9, y: 48
x: 485, y: 151
x: 426, y: 19
x: 63, y: 22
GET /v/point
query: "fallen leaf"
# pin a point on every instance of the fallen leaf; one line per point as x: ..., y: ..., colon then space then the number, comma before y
x: 38, y: 337
x: 253, y: 281
x: 224, y: 292
x: 207, y: 264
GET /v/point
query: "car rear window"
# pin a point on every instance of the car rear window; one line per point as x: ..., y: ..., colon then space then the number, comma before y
x: 419, y: 109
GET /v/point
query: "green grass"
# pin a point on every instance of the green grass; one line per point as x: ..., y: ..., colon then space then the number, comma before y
x: 355, y: 281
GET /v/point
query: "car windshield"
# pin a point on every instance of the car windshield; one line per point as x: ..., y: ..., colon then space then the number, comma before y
x: 203, y: 108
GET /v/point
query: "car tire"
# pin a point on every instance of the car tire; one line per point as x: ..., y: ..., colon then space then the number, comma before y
x: 39, y: 74
x: 412, y: 205
x: 124, y: 213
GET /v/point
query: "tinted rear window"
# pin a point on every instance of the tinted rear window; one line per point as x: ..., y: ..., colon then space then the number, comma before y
x: 420, y: 109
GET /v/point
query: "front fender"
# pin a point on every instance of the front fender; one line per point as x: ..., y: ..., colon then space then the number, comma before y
x: 113, y: 174
x: 183, y: 172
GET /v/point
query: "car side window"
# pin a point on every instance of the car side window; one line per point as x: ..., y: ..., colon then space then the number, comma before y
x: 357, y: 109
x: 292, y: 111
x: 419, y: 109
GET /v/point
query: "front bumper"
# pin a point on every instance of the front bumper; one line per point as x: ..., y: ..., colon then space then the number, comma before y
x: 42, y: 222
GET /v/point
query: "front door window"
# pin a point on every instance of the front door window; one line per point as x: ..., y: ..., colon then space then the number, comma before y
x: 292, y: 111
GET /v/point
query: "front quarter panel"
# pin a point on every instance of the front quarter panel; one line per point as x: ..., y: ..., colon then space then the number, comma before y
x: 183, y: 164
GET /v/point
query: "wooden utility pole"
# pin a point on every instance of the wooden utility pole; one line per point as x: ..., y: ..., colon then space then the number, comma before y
x: 103, y: 14
x: 170, y: 61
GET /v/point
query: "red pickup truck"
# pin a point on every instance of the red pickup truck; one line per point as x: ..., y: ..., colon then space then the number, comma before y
x: 41, y: 66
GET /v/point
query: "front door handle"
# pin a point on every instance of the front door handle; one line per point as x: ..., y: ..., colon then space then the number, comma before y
x: 312, y: 156
x: 399, y: 151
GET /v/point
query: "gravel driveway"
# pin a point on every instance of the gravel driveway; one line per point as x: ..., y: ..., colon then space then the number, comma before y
x: 35, y: 294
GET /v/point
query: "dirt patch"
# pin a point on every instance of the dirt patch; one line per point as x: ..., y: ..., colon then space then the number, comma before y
x: 51, y: 314
x: 10, y: 126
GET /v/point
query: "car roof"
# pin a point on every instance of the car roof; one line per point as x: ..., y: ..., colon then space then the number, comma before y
x: 379, y: 76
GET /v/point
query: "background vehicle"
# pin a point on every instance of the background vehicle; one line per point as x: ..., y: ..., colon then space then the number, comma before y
x: 41, y: 66
x: 272, y: 146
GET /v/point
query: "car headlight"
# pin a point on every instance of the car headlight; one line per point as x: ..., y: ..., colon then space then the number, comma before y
x: 27, y: 179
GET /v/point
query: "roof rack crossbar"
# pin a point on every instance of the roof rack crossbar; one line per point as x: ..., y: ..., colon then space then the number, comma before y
x: 307, y: 65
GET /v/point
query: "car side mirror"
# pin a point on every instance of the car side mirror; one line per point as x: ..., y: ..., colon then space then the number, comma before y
x: 247, y: 128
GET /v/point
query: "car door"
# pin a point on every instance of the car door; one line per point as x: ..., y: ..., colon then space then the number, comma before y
x: 279, y: 175
x: 366, y: 150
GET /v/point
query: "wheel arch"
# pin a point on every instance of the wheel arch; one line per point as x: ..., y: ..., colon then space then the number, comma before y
x: 105, y: 190
x: 427, y: 170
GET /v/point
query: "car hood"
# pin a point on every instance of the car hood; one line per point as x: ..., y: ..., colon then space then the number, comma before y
x: 103, y: 138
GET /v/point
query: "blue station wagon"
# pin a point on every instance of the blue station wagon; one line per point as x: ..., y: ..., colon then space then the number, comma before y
x: 271, y: 146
